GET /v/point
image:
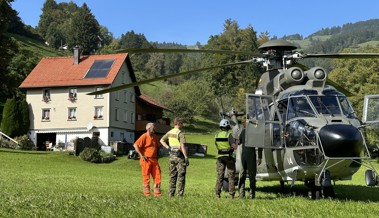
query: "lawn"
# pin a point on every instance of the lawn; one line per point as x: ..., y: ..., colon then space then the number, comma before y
x: 56, y: 184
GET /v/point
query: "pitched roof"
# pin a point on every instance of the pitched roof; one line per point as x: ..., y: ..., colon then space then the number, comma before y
x: 151, y: 101
x: 61, y: 71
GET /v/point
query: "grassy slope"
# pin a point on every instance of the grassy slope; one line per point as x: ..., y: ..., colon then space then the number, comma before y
x: 54, y: 184
x: 38, y: 48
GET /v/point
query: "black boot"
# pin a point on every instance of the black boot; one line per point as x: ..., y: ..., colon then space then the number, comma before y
x: 252, y: 190
x: 252, y: 194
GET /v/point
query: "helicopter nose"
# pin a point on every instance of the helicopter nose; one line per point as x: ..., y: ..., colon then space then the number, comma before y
x: 341, y: 140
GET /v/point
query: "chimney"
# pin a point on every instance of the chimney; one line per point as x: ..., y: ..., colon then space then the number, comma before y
x: 76, y: 55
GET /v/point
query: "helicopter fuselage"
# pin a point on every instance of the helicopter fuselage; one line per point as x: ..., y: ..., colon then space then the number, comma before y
x: 309, y: 134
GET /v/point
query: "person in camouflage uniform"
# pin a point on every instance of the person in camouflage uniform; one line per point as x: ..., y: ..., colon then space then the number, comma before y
x: 225, y: 145
x: 249, y: 164
x: 178, y: 157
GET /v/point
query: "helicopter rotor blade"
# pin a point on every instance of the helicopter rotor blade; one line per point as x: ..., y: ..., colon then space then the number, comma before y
x: 116, y: 88
x: 342, y: 55
x: 339, y: 87
x: 163, y: 50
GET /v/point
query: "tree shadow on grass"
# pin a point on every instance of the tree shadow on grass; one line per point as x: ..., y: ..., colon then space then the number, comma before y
x: 22, y: 151
x: 342, y: 192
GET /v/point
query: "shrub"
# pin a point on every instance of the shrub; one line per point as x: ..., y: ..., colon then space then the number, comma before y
x: 91, y: 155
x: 24, y: 142
x: 5, y: 143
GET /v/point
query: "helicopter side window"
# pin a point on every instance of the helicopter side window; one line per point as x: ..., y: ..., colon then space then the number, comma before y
x: 299, y: 107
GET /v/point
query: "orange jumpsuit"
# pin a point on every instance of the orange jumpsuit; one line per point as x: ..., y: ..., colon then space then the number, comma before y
x: 149, y: 147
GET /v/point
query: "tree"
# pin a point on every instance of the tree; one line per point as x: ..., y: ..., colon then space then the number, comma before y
x: 134, y: 40
x: 8, y: 48
x: 9, y: 124
x: 47, y: 17
x: 228, y: 80
x: 84, y: 30
x: 23, y: 118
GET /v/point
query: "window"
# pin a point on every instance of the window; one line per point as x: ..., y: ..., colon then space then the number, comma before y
x: 116, y: 114
x: 72, y: 94
x: 45, y: 114
x: 46, y: 95
x: 125, y: 97
x: 98, y: 113
x: 117, y: 95
x: 132, y: 117
x: 99, y: 89
x: 71, y: 114
x: 125, y: 116
x: 132, y: 96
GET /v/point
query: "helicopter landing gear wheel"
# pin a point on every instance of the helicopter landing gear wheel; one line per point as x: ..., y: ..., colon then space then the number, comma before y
x: 327, y: 190
x: 370, y: 178
x: 315, y: 193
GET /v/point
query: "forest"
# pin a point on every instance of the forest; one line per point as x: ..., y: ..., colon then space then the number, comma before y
x: 64, y: 25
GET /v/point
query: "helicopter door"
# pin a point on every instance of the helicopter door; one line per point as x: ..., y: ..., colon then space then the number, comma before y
x: 258, y: 130
x: 371, y: 109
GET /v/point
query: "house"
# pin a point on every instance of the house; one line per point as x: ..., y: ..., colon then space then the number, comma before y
x: 61, y: 110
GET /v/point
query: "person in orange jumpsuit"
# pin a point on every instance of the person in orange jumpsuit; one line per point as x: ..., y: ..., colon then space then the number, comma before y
x: 147, y: 147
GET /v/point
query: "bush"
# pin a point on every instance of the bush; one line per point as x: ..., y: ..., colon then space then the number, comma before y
x: 5, y: 143
x: 91, y: 155
x: 24, y: 142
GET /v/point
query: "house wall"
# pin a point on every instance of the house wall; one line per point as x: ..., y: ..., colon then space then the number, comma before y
x: 123, y: 103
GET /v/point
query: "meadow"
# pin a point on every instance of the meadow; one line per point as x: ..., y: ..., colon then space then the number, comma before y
x: 56, y: 184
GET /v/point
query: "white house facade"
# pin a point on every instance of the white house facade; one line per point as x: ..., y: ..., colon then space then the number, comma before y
x: 61, y: 109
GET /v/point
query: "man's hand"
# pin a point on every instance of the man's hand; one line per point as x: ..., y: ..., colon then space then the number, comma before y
x: 186, y: 161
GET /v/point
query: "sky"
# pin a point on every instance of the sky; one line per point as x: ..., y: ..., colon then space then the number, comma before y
x: 191, y: 21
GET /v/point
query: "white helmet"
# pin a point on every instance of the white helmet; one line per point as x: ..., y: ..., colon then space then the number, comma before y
x: 224, y: 123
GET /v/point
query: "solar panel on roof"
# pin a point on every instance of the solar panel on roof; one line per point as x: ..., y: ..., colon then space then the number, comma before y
x: 99, y: 69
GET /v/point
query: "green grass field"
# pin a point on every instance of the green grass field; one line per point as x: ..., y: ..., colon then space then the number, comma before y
x: 56, y: 184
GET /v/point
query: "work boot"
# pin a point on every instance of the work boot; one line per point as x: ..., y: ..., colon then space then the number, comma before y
x: 252, y: 190
x: 241, y: 191
x: 218, y: 195
x: 146, y: 189
x: 157, y: 190
x: 252, y: 194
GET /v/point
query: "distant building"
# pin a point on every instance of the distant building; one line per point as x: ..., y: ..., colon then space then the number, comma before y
x: 61, y: 110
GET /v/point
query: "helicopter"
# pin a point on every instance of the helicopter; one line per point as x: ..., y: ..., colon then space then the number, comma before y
x: 307, y: 129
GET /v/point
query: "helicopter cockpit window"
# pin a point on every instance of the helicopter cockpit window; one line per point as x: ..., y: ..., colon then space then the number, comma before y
x: 326, y: 105
x: 345, y: 106
x: 299, y: 107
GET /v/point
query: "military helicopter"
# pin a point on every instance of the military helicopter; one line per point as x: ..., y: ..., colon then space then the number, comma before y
x: 307, y: 128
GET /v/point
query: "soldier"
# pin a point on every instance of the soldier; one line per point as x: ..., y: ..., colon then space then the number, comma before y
x: 178, y: 157
x: 225, y: 144
x: 147, y: 146
x: 249, y: 163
